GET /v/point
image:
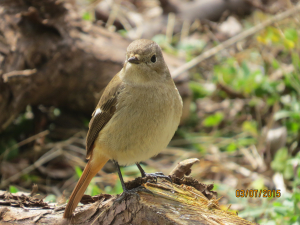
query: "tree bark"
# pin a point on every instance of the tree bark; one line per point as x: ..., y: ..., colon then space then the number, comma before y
x: 185, y: 201
x: 49, y: 56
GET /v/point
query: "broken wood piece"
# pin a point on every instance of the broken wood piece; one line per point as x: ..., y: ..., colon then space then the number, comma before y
x: 183, y: 168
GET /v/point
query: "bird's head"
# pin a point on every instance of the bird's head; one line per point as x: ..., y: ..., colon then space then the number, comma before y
x: 145, y: 62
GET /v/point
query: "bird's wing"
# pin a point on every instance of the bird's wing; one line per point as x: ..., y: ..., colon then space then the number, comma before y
x: 103, y: 112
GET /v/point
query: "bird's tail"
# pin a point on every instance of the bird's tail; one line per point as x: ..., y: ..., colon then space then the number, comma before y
x: 91, y: 169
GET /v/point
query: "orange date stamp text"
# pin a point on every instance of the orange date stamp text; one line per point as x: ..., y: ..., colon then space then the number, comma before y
x: 255, y: 193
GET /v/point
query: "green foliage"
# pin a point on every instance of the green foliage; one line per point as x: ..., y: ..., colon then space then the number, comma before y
x: 31, y: 178
x: 13, y: 189
x: 250, y: 127
x: 92, y: 189
x: 78, y: 171
x: 272, y: 35
x: 282, y: 163
x: 9, y: 148
x: 117, y: 189
x: 10, y: 137
x: 88, y: 16
x: 258, y: 184
x: 291, y: 35
x: 242, y: 79
x: 231, y: 147
x: 263, y: 79
x: 286, y: 209
x: 192, y: 46
x: 50, y: 198
x: 162, y: 41
x: 198, y: 90
x: 123, y: 33
x: 213, y: 120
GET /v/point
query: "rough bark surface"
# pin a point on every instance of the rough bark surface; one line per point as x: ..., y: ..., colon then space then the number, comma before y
x: 49, y: 56
x: 186, y: 201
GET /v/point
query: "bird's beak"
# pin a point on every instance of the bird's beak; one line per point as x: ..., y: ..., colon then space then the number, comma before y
x: 134, y: 60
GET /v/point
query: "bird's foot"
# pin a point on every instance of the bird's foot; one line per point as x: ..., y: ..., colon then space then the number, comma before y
x: 158, y: 175
x: 133, y: 191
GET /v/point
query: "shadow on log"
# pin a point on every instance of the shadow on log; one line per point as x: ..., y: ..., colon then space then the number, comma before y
x: 185, y: 201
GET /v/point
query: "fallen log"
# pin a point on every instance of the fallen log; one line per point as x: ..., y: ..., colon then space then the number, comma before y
x: 185, y: 201
x: 50, y: 56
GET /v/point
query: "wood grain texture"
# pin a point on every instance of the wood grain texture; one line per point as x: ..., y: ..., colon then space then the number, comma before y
x: 171, y: 204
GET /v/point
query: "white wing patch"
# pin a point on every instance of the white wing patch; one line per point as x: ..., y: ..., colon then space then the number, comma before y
x: 97, y: 111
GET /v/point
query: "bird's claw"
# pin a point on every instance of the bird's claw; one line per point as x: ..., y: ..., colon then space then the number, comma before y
x: 133, y: 191
x: 158, y: 175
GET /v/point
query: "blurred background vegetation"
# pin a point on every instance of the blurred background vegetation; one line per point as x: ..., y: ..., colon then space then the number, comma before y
x: 244, y: 120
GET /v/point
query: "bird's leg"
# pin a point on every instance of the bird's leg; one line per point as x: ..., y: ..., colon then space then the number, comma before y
x: 127, y: 192
x: 121, y: 177
x: 155, y: 175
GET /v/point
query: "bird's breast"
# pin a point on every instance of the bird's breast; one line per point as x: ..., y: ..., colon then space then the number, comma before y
x: 145, y: 120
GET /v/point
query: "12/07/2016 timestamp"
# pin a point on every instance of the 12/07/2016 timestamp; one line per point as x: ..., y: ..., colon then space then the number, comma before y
x: 254, y: 193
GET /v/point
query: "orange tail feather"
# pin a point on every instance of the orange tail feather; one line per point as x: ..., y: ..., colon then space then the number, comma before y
x: 88, y: 173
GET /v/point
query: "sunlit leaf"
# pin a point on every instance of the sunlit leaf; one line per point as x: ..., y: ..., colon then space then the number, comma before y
x: 198, y: 90
x: 288, y: 172
x: 95, y: 190
x: 279, y: 162
x: 87, y: 16
x: 213, y: 120
x: 231, y: 147
x: 275, y: 64
x: 250, y: 127
x: 291, y: 34
x: 78, y: 171
x: 288, y: 44
x: 284, y: 114
x: 258, y: 184
x: 13, y: 189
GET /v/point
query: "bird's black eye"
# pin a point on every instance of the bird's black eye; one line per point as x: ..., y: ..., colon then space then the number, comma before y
x: 153, y: 59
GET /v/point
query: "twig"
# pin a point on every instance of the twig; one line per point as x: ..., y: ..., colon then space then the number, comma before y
x: 34, y: 190
x: 230, y: 92
x: 235, y: 39
x: 250, y: 157
x: 113, y: 15
x: 260, y: 161
x: 74, y: 139
x: 26, y: 141
x: 262, y: 140
x: 185, y: 30
x: 18, y: 73
x: 45, y: 158
x: 170, y: 27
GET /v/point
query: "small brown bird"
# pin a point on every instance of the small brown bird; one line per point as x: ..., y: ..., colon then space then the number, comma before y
x: 135, y: 119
